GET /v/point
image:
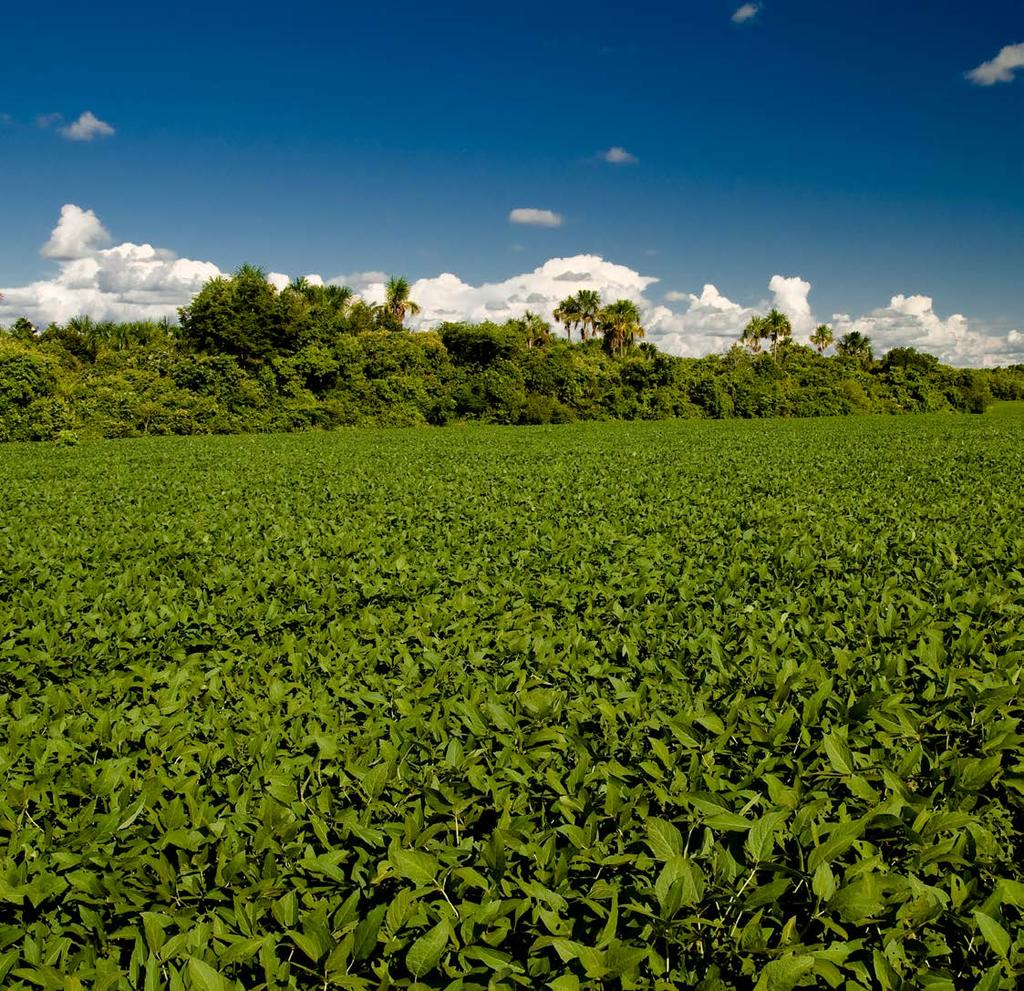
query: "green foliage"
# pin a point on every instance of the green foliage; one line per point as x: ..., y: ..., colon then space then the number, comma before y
x: 582, y: 310
x: 620, y: 324
x: 482, y: 344
x: 684, y: 705
x: 397, y: 301
x: 29, y: 407
x: 250, y: 358
x: 857, y: 346
x: 25, y: 375
x: 822, y: 338
x: 244, y: 317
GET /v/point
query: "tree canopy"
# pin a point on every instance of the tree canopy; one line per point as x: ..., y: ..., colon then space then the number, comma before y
x: 246, y: 356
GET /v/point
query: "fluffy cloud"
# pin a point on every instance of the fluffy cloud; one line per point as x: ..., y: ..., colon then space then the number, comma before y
x: 359, y: 282
x: 87, y: 127
x: 279, y: 280
x: 447, y: 297
x: 911, y: 321
x: 536, y: 218
x: 710, y: 322
x: 745, y: 13
x: 1001, y: 69
x: 792, y: 297
x: 619, y: 156
x: 131, y: 281
x: 124, y: 282
x: 78, y: 234
x: 713, y: 322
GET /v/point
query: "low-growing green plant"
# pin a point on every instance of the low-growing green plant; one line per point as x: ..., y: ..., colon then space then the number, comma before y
x: 714, y: 705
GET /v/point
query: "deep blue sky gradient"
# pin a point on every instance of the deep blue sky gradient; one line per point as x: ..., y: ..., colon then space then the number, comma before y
x: 839, y: 142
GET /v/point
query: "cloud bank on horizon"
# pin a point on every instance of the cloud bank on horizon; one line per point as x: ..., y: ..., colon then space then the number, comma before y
x: 129, y: 281
x: 124, y: 282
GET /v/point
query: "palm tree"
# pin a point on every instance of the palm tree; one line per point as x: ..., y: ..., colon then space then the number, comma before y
x: 568, y: 313
x: 330, y: 297
x: 778, y: 328
x: 856, y: 345
x: 754, y: 333
x: 122, y: 336
x: 90, y: 333
x: 822, y: 338
x: 588, y: 302
x: 251, y: 272
x: 22, y: 329
x: 337, y: 297
x: 397, y: 303
x: 620, y: 322
x: 535, y: 328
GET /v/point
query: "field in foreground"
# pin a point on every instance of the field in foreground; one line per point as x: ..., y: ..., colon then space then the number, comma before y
x: 663, y: 705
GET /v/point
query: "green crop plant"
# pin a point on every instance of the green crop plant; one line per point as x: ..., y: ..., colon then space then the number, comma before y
x: 714, y: 705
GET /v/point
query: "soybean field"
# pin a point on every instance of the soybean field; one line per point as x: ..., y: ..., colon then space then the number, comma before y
x: 714, y: 705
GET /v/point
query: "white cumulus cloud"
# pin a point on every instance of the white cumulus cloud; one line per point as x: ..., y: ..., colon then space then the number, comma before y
x: 279, y: 280
x: 129, y: 281
x: 911, y: 321
x: 447, y: 297
x: 124, y: 282
x: 711, y: 322
x: 78, y: 233
x: 1001, y: 69
x: 745, y: 13
x: 359, y: 281
x: 534, y: 217
x: 792, y: 297
x: 87, y: 127
x: 619, y: 156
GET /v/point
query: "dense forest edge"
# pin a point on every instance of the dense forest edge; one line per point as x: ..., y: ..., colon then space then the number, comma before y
x: 246, y: 357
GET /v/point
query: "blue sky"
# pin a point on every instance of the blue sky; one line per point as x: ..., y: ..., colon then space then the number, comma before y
x: 839, y: 142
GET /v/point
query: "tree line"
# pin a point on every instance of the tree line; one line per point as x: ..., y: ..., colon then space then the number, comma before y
x: 777, y: 329
x: 245, y: 356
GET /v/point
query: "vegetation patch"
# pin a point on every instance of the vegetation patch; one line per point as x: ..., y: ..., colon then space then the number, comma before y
x: 722, y: 705
x: 247, y: 358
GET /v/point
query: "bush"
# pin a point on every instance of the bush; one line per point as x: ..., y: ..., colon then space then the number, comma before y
x: 26, y: 374
x: 540, y: 409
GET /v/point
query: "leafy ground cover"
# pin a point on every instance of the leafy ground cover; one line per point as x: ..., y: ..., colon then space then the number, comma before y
x: 645, y: 705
